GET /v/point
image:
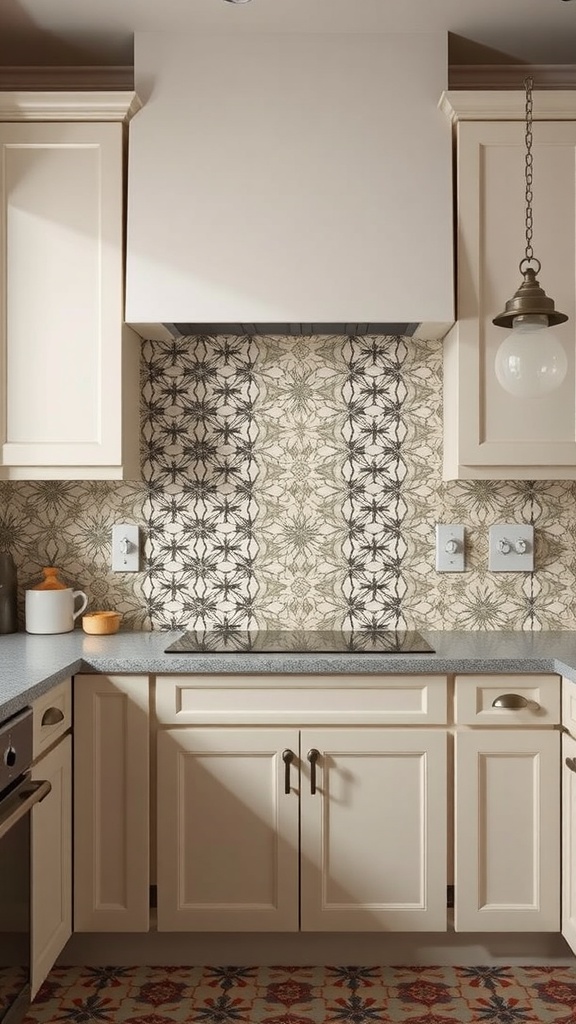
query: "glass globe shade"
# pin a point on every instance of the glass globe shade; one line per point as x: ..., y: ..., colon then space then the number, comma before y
x: 531, y: 360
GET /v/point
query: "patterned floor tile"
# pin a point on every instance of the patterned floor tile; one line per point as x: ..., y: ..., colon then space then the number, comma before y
x: 307, y: 995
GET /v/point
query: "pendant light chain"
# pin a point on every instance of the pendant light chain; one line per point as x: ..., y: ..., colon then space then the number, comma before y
x: 528, y: 165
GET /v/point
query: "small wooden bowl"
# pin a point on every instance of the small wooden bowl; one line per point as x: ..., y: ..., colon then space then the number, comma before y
x: 101, y: 623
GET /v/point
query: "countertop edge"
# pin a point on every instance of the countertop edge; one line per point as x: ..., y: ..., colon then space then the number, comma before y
x: 31, y: 665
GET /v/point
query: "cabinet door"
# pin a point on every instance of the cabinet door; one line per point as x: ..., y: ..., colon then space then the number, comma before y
x: 489, y: 433
x: 64, y: 360
x: 111, y: 803
x: 374, y: 832
x: 507, y: 826
x: 51, y: 862
x: 227, y: 830
x: 569, y: 840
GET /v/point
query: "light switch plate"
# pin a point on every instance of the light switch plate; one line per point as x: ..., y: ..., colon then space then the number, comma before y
x: 511, y: 547
x: 125, y: 547
x: 450, y: 548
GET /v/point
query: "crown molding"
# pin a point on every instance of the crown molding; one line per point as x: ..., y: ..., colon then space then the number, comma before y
x: 511, y: 76
x: 39, y: 78
x: 490, y: 105
x: 68, y: 106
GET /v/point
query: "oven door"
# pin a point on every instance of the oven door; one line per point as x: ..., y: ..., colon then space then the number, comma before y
x: 15, y: 807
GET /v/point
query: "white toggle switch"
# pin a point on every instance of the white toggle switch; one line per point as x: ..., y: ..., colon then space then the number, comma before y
x: 125, y: 548
x: 511, y: 548
x: 449, y: 548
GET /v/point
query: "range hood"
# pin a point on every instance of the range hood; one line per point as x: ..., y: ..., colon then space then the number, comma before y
x: 290, y: 184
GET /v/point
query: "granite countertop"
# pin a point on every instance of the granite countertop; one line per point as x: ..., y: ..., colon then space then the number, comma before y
x: 30, y: 665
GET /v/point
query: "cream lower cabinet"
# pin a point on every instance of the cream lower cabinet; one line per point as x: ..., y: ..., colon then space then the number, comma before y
x: 271, y: 827
x: 111, y: 803
x: 51, y: 831
x: 488, y: 434
x: 569, y: 812
x: 507, y: 804
x: 69, y: 367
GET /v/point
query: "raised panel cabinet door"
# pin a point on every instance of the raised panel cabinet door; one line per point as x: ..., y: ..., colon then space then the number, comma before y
x: 111, y: 803
x: 51, y: 862
x: 489, y: 433
x: 569, y: 840
x: 507, y: 829
x: 63, y: 353
x: 374, y: 830
x: 227, y: 829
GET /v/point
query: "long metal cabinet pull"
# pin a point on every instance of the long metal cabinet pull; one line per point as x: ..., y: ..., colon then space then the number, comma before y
x: 287, y: 757
x: 512, y: 701
x: 312, y: 756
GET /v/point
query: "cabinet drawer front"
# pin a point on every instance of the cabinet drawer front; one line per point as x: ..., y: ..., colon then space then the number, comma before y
x: 475, y: 696
x: 51, y: 716
x: 301, y: 699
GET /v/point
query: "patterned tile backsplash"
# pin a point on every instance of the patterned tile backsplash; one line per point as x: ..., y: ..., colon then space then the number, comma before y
x: 296, y: 482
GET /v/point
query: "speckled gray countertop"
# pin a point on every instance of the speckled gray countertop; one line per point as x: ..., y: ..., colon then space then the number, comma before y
x: 30, y: 665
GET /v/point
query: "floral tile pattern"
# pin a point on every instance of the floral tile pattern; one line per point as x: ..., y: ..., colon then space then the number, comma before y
x: 296, y: 483
x: 300, y: 995
x: 199, y: 434
x: 374, y: 472
x: 300, y: 527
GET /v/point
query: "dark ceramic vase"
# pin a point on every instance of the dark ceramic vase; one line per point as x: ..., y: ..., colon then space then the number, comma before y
x: 8, y: 594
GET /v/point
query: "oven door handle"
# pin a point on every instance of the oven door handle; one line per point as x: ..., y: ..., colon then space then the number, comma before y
x: 20, y: 802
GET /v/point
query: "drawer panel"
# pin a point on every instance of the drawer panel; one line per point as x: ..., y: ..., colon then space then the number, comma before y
x: 51, y: 716
x: 302, y: 699
x: 475, y: 696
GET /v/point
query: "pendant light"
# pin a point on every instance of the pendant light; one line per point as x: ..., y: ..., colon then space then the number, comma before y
x: 531, y: 360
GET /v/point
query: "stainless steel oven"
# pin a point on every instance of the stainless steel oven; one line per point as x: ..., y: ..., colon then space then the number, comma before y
x: 18, y: 795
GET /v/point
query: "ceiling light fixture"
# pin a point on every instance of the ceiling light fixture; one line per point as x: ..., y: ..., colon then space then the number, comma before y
x: 531, y: 361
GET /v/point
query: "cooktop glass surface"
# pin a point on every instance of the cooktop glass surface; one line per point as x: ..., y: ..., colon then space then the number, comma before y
x: 320, y: 641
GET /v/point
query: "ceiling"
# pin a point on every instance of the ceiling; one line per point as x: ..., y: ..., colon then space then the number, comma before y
x: 84, y: 32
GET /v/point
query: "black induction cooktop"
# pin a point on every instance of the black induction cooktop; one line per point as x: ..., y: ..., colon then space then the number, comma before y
x: 319, y: 641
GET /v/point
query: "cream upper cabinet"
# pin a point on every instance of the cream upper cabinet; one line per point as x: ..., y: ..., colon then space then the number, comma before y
x: 507, y: 804
x: 487, y: 432
x: 68, y: 365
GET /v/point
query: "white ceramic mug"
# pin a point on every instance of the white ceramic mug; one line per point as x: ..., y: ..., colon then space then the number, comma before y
x: 53, y: 611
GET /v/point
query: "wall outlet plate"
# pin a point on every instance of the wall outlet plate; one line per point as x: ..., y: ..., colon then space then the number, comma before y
x: 511, y: 547
x: 450, y: 548
x: 125, y: 547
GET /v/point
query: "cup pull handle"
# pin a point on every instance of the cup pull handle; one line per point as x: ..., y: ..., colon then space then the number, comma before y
x: 512, y: 702
x: 52, y: 716
x: 571, y: 763
x: 312, y: 756
x: 287, y: 757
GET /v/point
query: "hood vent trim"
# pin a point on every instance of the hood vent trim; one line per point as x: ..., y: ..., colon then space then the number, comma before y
x: 352, y: 330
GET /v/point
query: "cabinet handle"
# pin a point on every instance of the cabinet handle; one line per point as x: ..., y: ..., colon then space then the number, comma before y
x: 287, y: 757
x: 571, y: 763
x: 312, y: 757
x: 52, y: 716
x: 513, y: 702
